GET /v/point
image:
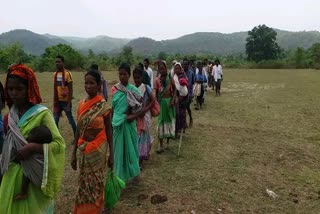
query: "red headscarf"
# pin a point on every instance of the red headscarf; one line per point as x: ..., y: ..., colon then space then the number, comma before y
x: 26, y: 73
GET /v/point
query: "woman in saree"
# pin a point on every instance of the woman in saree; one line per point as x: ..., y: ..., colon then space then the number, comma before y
x: 127, y: 104
x: 22, y: 158
x: 2, y: 106
x: 145, y: 121
x: 93, y: 137
x: 181, y: 83
x: 166, y: 94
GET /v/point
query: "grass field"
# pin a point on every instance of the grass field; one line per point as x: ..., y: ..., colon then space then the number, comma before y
x: 263, y: 132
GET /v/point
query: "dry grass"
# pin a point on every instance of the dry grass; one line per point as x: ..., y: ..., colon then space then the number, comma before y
x: 263, y: 132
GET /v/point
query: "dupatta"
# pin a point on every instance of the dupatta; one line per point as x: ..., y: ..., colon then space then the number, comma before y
x: 33, y: 168
x: 87, y: 112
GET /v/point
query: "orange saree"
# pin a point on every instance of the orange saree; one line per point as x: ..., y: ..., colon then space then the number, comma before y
x: 91, y: 113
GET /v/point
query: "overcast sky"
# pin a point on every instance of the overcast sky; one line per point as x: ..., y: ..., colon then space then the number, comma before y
x: 162, y: 19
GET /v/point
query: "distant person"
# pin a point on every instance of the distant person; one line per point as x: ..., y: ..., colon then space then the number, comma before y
x: 39, y: 135
x: 181, y: 84
x: 192, y: 66
x: 205, y: 74
x: 63, y: 93
x: 144, y: 122
x: 218, y: 75
x: 206, y: 67
x: 174, y: 62
x: 210, y: 77
x: 104, y: 86
x: 199, y: 89
x: 191, y: 80
x: 145, y: 78
x: 166, y: 94
x: 147, y: 68
x: 2, y: 106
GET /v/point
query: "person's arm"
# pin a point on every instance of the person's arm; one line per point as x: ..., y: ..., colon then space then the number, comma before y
x: 74, y: 151
x: 220, y: 71
x: 70, y: 87
x: 206, y: 78
x: 156, y: 88
x: 151, y: 77
x: 108, y: 126
x: 151, y: 101
x: 132, y: 117
x: 193, y: 78
x: 173, y: 102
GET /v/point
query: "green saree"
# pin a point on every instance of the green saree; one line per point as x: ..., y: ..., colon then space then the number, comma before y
x: 125, y: 137
x: 39, y: 200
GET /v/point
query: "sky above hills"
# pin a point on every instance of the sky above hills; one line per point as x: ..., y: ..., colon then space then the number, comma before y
x: 165, y: 19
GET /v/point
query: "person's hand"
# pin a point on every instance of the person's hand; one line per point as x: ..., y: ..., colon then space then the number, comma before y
x: 130, y: 118
x: 26, y: 151
x: 144, y: 111
x: 110, y: 161
x: 172, y: 103
x: 74, y: 161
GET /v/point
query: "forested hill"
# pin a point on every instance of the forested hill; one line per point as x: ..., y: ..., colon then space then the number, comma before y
x: 202, y: 42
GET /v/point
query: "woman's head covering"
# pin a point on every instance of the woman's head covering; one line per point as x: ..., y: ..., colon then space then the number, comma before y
x: 178, y: 63
x: 161, y: 62
x: 26, y: 73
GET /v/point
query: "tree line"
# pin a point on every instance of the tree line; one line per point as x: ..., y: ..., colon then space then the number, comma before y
x: 262, y: 51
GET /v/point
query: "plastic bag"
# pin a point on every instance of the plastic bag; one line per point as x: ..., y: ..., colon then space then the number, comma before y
x: 112, y: 190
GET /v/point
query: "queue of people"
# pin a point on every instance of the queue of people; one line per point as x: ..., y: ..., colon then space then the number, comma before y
x: 117, y: 136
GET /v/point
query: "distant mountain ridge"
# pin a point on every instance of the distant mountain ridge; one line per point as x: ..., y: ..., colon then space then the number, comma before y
x: 201, y: 42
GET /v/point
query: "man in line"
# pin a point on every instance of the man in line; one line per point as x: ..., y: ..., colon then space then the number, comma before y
x: 63, y: 93
x: 147, y: 68
x: 104, y: 85
x: 191, y: 79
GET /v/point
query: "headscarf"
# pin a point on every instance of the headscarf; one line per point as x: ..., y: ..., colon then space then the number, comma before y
x: 181, y: 82
x: 165, y: 65
x: 26, y: 73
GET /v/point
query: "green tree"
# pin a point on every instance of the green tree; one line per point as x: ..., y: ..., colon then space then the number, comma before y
x: 261, y: 44
x: 13, y: 53
x: 162, y: 55
x: 300, y: 58
x: 126, y: 56
x: 91, y: 54
x: 73, y: 59
x: 315, y: 55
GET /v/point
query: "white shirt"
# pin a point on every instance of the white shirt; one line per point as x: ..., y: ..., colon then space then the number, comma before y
x: 150, y: 73
x: 217, y: 72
